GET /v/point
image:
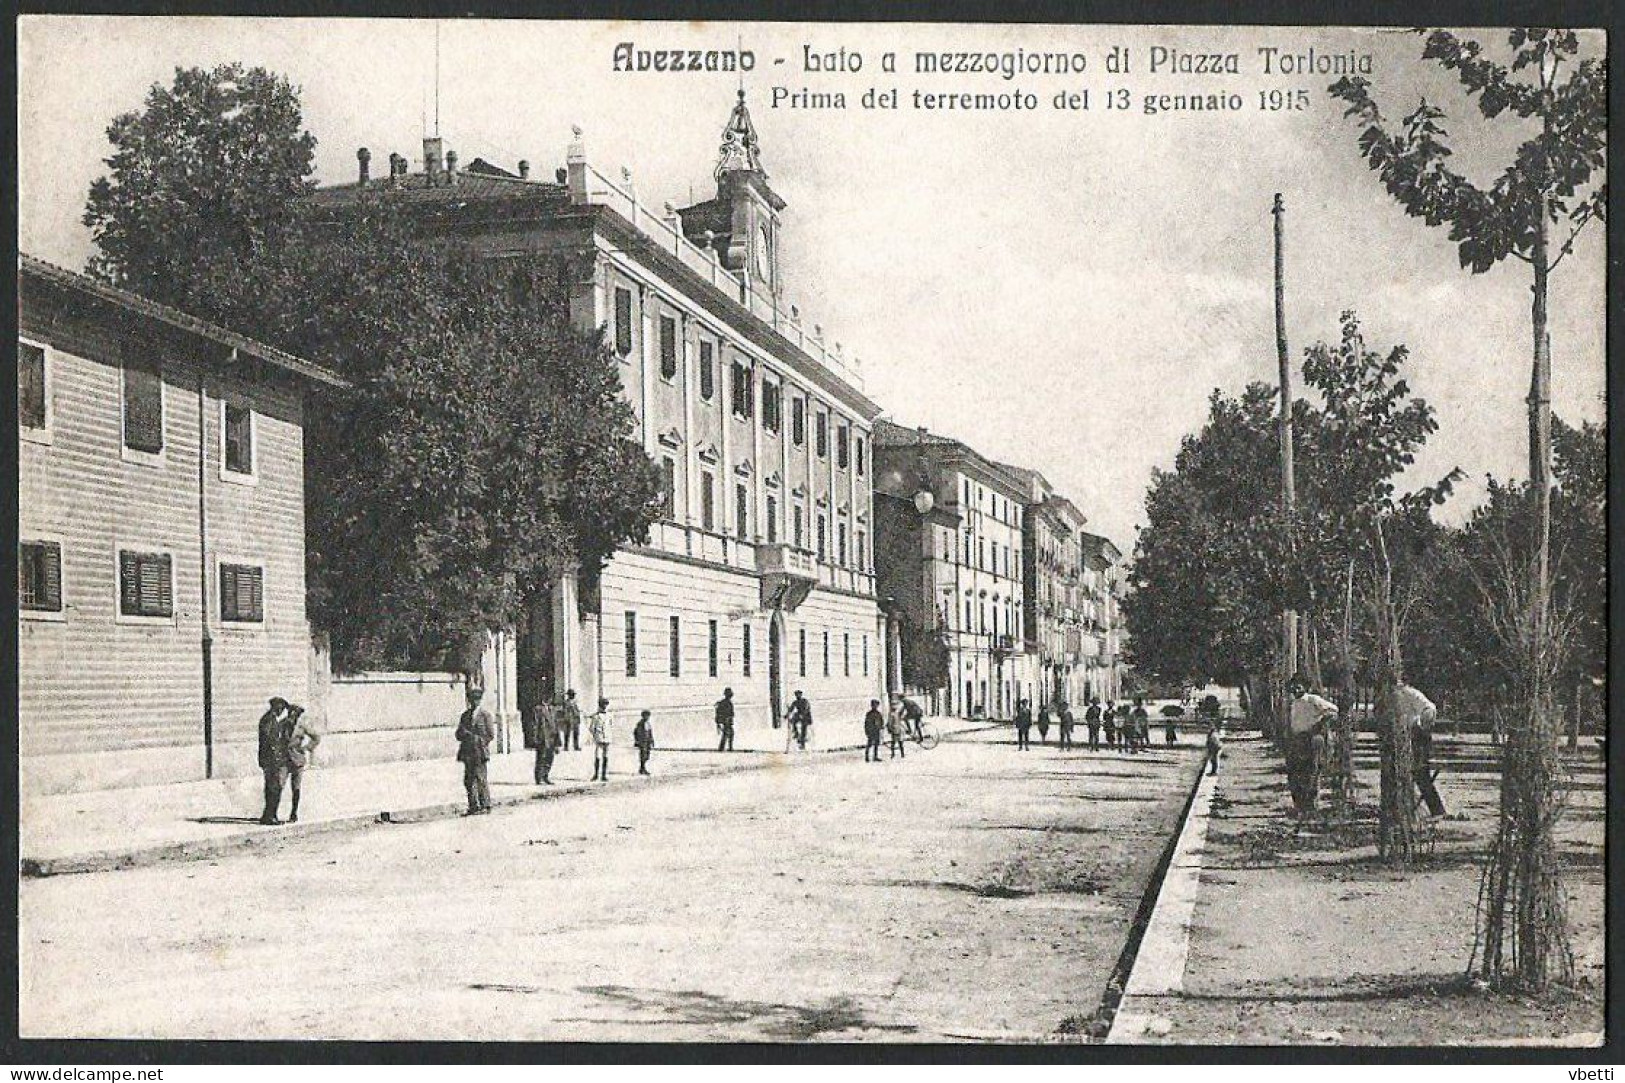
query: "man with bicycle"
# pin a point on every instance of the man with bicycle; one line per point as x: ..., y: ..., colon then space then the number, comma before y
x: 913, y: 719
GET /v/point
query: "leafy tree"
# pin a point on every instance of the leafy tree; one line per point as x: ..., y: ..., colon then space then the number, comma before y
x: 198, y: 176
x: 1548, y: 183
x: 1208, y: 571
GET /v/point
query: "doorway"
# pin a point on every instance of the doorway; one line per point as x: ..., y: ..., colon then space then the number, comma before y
x: 536, y: 680
x: 775, y: 666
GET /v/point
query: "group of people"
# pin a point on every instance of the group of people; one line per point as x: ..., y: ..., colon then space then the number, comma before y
x: 1309, y: 743
x: 551, y: 728
x: 286, y: 743
x: 1126, y: 728
x: 904, y: 721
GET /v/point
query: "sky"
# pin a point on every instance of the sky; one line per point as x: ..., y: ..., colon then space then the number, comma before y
x: 1061, y: 289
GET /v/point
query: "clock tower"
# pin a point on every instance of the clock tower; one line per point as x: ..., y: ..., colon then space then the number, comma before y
x: 741, y: 225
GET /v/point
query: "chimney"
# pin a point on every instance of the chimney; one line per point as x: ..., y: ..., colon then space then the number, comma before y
x: 363, y: 158
x: 561, y: 175
x: 431, y: 158
x: 524, y: 170
x: 451, y: 167
x: 397, y: 169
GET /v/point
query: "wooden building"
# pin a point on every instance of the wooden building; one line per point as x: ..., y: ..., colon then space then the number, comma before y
x: 161, y: 578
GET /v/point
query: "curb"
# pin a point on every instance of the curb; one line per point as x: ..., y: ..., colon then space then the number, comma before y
x: 166, y: 853
x: 1122, y: 974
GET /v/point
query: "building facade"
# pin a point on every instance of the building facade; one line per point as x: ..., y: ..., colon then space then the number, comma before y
x: 1054, y: 588
x: 161, y: 548
x: 1104, y: 575
x: 759, y: 576
x: 952, y: 521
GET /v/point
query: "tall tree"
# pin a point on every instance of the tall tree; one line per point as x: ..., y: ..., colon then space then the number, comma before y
x: 1563, y: 98
x: 201, y: 174
x: 1371, y: 428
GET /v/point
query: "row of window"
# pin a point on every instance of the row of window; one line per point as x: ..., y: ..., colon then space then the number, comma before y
x: 989, y: 502
x: 859, y: 553
x: 983, y: 554
x: 141, y: 389
x: 674, y: 649
x: 743, y: 384
x: 146, y: 584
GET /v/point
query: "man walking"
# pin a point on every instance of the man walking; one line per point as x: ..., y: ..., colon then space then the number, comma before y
x: 1024, y: 726
x: 1419, y: 713
x: 570, y: 721
x: 725, y: 721
x: 1043, y: 723
x: 546, y: 726
x: 914, y: 718
x: 475, y: 731
x: 1068, y: 722
x: 599, y: 729
x: 1140, y: 723
x: 273, y: 757
x: 300, y: 740
x: 1091, y: 719
x: 801, y: 720
x: 873, y: 723
x: 643, y: 736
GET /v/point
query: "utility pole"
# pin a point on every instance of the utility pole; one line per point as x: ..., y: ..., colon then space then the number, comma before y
x: 1289, y: 619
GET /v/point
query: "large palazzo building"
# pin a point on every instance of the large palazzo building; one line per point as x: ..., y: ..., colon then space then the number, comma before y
x: 760, y: 576
x: 953, y: 566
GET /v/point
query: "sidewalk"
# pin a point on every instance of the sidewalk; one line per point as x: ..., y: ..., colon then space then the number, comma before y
x: 1267, y: 935
x: 126, y: 828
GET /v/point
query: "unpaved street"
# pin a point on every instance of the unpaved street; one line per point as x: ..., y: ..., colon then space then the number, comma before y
x: 968, y: 892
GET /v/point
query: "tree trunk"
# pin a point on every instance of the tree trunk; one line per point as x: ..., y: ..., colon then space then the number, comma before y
x: 1396, y: 822
x: 1346, y: 698
x: 1523, y: 880
x: 1574, y: 716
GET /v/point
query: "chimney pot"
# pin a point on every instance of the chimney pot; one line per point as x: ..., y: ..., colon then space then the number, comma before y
x: 561, y: 174
x: 451, y: 167
x: 431, y: 157
x: 524, y: 170
x: 363, y: 159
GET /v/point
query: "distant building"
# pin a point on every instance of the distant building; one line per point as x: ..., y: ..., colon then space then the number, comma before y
x: 1104, y: 669
x: 951, y: 523
x: 161, y: 545
x: 1054, y: 590
x: 760, y: 574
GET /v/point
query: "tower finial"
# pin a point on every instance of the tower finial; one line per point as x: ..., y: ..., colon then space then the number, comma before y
x: 739, y: 152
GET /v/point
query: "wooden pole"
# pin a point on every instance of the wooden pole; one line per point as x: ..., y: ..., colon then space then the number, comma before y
x: 1289, y: 619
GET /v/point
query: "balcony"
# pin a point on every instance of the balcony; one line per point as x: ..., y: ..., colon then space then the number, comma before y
x: 788, y: 575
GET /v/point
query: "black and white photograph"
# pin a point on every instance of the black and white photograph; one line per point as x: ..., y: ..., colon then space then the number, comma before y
x: 907, y: 534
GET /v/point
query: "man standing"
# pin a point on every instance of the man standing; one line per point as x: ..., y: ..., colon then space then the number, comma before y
x: 800, y: 719
x: 1024, y: 725
x: 1068, y: 722
x: 599, y: 729
x: 725, y: 721
x: 896, y: 729
x: 475, y: 731
x: 1419, y: 713
x: 1306, y: 721
x: 570, y: 721
x: 546, y: 727
x: 1215, y: 745
x: 1091, y: 719
x: 1043, y: 723
x: 1140, y: 722
x: 643, y: 736
x: 1108, y: 718
x: 273, y: 757
x: 873, y: 723
x: 300, y: 740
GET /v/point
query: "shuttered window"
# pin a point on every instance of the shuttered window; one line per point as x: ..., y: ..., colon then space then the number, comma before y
x: 143, y: 407
x: 631, y: 643
x: 708, y: 371
x: 623, y: 321
x: 668, y: 348
x: 741, y: 513
x: 821, y: 434
x: 239, y: 438
x: 772, y: 408
x: 708, y: 502
x: 843, y: 446
x: 676, y: 647
x: 711, y: 650
x: 668, y: 487
x: 772, y: 520
x: 39, y: 576
x: 798, y: 421
x: 242, y: 593
x: 745, y: 666
x: 146, y: 586
x: 744, y: 391
x: 30, y: 385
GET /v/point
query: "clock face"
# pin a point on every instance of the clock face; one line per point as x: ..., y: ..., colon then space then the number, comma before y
x: 763, y: 262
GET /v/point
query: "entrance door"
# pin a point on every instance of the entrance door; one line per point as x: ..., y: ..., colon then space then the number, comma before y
x: 775, y: 667
x: 533, y: 656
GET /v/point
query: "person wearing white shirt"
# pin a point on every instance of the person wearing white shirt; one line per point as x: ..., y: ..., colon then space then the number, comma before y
x: 1418, y: 712
x: 1306, y: 726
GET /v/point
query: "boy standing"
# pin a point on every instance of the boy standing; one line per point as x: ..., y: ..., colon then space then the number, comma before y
x: 598, y: 726
x: 643, y: 735
x: 873, y: 723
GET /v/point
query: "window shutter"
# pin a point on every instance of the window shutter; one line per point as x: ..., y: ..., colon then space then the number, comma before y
x: 143, y: 407
x: 129, y: 584
x: 623, y: 322
x: 52, y: 553
x: 30, y: 386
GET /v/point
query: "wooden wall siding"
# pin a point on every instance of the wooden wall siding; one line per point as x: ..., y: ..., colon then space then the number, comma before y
x: 94, y: 683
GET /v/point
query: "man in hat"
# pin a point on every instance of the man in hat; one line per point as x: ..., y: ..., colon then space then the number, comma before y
x: 874, y: 723
x: 570, y: 721
x: 546, y: 737
x: 800, y: 717
x: 1306, y: 725
x: 273, y: 757
x: 598, y: 726
x: 1419, y: 713
x: 475, y: 731
x: 725, y: 721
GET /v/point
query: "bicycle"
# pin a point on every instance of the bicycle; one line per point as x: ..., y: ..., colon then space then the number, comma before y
x: 925, y: 735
